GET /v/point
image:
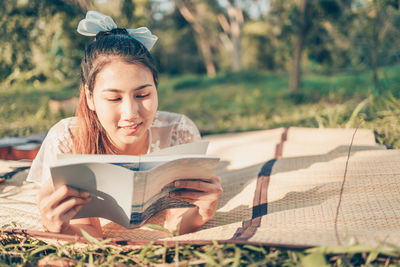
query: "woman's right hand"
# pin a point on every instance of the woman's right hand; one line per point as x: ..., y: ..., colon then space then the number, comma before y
x: 58, y: 207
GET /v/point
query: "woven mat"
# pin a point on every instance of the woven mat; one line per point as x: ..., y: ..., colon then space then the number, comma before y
x: 281, y: 187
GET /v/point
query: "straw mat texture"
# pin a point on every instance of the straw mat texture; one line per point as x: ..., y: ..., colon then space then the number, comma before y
x: 281, y: 187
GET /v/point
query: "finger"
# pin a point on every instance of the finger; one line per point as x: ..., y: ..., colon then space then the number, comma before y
x: 215, y: 179
x: 64, y: 192
x: 71, y: 213
x: 64, y: 208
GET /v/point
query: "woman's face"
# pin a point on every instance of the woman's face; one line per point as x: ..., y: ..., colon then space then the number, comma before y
x: 125, y: 100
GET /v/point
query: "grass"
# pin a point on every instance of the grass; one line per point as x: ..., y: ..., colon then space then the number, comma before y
x: 259, y: 100
x: 24, y: 107
x: 19, y: 250
x: 231, y: 102
x: 226, y: 103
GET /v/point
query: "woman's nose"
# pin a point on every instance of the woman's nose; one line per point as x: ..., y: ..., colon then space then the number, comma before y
x: 129, y: 109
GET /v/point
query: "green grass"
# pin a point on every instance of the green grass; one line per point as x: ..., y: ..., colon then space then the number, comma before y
x: 226, y: 103
x: 19, y: 250
x: 232, y: 102
x: 260, y: 100
x: 24, y: 107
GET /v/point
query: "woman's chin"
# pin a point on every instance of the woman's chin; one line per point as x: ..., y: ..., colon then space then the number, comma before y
x: 130, y: 143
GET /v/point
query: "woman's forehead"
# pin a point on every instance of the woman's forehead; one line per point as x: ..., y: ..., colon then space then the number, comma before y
x: 121, y: 75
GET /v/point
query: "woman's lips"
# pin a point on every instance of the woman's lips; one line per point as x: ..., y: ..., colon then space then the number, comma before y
x: 131, y: 129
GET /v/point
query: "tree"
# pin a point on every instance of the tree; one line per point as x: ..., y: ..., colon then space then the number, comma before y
x: 38, y: 38
x: 231, y: 35
x: 307, y: 26
x: 190, y: 12
x: 301, y: 31
x: 42, y: 42
x: 177, y: 51
x: 376, y: 33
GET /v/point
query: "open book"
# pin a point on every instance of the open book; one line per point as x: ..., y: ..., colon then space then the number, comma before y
x: 129, y: 190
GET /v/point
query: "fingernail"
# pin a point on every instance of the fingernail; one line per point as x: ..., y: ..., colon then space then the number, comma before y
x: 85, y: 194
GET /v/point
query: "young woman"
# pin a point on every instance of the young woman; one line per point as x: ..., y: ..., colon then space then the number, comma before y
x: 117, y: 114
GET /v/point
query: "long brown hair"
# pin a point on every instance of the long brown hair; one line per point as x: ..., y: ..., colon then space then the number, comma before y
x: 90, y: 137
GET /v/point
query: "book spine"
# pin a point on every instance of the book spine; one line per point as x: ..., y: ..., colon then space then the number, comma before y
x: 139, y: 184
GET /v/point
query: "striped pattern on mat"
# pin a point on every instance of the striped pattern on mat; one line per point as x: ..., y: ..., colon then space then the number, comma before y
x: 281, y: 187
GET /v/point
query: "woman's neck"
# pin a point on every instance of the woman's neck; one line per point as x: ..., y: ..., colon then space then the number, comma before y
x: 139, y: 148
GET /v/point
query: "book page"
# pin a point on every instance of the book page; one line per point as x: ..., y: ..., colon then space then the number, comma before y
x: 128, y: 161
x: 183, y: 168
x: 148, y: 163
x: 198, y: 147
x: 132, y: 162
x: 158, y: 183
x: 162, y: 203
x: 123, y: 185
x: 110, y: 188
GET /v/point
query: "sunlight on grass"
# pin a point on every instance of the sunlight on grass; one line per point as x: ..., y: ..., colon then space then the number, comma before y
x: 17, y: 250
x: 226, y: 103
x: 236, y: 102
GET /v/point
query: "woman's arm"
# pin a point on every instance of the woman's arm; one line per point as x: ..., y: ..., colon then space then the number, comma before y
x: 58, y: 207
x: 202, y: 193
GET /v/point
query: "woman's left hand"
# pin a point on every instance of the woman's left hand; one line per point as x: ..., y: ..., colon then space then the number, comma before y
x: 203, y: 193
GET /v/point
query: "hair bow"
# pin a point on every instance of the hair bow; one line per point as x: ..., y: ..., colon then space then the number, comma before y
x: 96, y: 22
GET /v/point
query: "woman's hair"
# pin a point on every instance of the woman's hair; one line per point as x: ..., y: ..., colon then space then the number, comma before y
x: 90, y: 137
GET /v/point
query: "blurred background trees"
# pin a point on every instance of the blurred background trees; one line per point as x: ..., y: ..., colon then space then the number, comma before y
x: 39, y: 41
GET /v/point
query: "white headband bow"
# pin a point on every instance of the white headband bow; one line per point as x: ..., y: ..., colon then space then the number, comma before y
x: 96, y: 22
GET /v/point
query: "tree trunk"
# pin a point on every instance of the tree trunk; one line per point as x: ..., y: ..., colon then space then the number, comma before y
x: 237, y: 54
x: 236, y: 19
x: 374, y: 53
x: 374, y: 63
x: 295, y: 74
x: 202, y: 39
x: 207, y: 55
x: 231, y: 35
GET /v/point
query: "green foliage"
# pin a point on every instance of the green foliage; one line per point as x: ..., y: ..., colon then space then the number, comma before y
x: 17, y: 250
x: 40, y: 41
x: 24, y: 107
x: 176, y: 51
x: 259, y: 100
x: 232, y: 102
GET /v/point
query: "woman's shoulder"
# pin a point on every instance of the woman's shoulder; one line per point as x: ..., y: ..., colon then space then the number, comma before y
x: 60, y: 134
x: 58, y: 140
x: 63, y: 125
x: 177, y: 127
x: 166, y: 119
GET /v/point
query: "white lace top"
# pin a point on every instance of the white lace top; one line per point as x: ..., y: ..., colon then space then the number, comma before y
x: 168, y: 129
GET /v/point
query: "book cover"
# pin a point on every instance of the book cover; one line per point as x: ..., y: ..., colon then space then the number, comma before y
x: 129, y: 190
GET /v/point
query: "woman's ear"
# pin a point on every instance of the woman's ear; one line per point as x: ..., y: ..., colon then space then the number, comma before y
x: 89, y: 98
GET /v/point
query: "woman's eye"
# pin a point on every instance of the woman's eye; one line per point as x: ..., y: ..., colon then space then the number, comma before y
x: 114, y: 99
x: 142, y: 96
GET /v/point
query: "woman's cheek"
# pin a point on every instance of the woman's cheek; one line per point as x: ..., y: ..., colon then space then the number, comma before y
x: 108, y: 114
x: 150, y: 106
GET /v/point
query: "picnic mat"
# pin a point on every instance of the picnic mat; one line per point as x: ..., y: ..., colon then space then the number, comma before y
x: 294, y: 187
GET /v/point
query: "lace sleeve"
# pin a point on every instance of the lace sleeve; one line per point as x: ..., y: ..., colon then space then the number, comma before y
x: 57, y: 141
x: 185, y: 131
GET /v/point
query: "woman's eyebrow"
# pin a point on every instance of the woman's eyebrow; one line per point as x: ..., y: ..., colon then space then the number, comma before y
x: 113, y: 90
x: 143, y: 86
